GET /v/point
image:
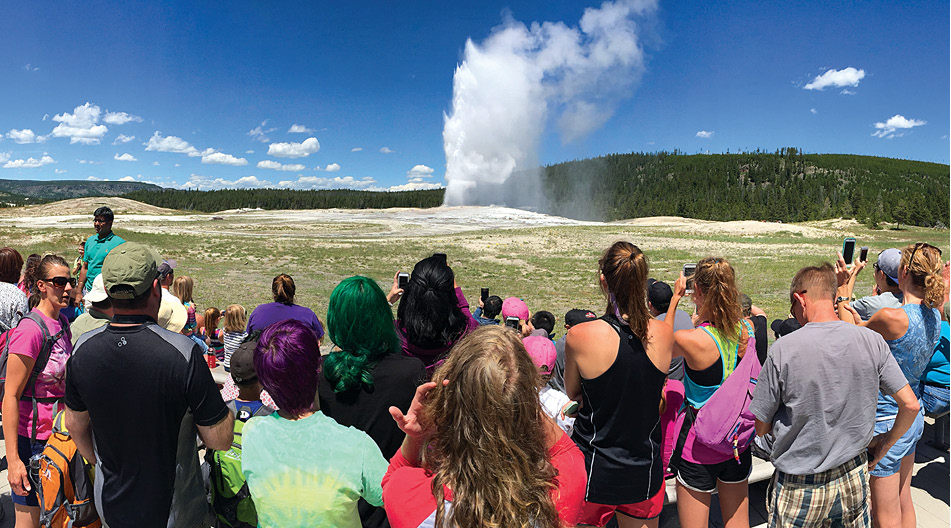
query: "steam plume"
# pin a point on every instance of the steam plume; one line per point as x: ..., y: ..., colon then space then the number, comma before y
x: 510, y: 86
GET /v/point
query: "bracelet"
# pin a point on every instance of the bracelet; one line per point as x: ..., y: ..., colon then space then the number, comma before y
x: 841, y: 299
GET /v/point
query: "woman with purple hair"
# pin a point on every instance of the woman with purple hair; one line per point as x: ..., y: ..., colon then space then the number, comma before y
x: 302, y: 468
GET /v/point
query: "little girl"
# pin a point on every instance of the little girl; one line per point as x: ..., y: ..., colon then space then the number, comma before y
x: 182, y: 288
x: 236, y: 319
x: 211, y: 333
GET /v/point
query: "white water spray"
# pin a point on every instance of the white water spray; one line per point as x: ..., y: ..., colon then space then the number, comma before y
x: 508, y: 88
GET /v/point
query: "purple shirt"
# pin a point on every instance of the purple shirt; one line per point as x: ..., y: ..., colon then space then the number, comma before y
x: 267, y: 314
x: 431, y: 357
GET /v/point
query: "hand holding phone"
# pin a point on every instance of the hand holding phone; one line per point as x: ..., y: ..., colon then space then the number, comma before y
x: 689, y: 270
x: 863, y: 254
x: 485, y: 294
x: 512, y: 322
x: 402, y: 280
x: 848, y: 250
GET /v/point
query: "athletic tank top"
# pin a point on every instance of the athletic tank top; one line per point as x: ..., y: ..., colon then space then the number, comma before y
x: 699, y: 385
x: 913, y: 350
x: 618, y: 427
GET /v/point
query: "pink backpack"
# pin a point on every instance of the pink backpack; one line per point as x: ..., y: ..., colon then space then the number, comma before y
x: 725, y: 423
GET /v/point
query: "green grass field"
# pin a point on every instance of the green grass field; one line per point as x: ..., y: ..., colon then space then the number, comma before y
x: 552, y: 268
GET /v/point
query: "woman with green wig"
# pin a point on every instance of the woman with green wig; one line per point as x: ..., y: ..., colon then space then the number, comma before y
x: 365, y: 373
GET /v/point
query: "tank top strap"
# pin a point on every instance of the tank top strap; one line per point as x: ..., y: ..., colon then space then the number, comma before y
x: 729, y: 349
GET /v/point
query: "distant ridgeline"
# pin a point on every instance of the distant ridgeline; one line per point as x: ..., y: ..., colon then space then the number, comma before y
x: 210, y: 201
x: 786, y: 186
x: 26, y: 192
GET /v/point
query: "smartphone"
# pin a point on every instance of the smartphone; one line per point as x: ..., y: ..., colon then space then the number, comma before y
x: 485, y: 294
x: 402, y: 280
x: 440, y: 256
x: 570, y: 408
x: 689, y: 270
x: 512, y: 322
x: 848, y: 250
x: 863, y: 254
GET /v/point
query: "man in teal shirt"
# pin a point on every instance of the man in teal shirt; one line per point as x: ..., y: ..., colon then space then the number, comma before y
x: 96, y: 249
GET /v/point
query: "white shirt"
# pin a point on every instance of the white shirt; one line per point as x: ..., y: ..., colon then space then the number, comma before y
x: 553, y: 400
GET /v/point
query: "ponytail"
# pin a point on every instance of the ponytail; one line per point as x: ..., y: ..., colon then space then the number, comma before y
x: 716, y: 279
x: 625, y: 269
x: 283, y: 289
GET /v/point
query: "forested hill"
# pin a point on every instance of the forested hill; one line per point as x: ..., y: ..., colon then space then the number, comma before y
x: 25, y: 192
x: 783, y: 186
x: 210, y: 201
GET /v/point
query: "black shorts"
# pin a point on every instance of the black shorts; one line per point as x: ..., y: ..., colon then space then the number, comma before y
x: 704, y: 477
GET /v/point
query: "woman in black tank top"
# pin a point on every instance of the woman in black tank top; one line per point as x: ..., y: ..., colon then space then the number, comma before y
x: 617, y: 366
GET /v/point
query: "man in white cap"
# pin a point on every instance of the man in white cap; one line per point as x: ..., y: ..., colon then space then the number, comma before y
x: 98, y: 314
x: 136, y: 395
x: 887, y: 295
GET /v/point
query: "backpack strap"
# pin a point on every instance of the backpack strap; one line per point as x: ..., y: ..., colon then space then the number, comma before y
x: 41, y: 361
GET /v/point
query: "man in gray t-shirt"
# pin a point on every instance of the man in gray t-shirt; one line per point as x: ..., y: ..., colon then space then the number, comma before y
x: 817, y: 394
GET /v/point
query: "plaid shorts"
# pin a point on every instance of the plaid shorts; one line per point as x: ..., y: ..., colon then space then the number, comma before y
x: 837, y: 497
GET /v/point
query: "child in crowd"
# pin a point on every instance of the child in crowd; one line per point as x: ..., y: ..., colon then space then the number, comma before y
x: 543, y: 354
x: 544, y: 320
x: 211, y: 333
x: 246, y: 379
x: 182, y: 287
x: 515, y: 307
x: 236, y: 318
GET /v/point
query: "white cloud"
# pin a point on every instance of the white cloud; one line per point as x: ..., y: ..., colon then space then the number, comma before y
x: 294, y: 150
x: 333, y: 167
x: 120, y: 118
x: 847, y: 92
x: 122, y: 138
x: 25, y: 136
x: 273, y: 165
x: 356, y: 149
x: 414, y: 186
x: 838, y: 78
x: 157, y: 143
x: 259, y: 133
x: 249, y: 152
x: 124, y: 157
x: 31, y: 68
x: 299, y: 129
x: 205, y: 183
x: 386, y: 150
x: 80, y: 126
x: 420, y: 171
x: 890, y: 128
x: 93, y: 178
x: 59, y: 171
x: 29, y: 163
x: 315, y: 182
x: 178, y: 164
x: 705, y: 134
x: 155, y: 164
x: 127, y: 178
x: 220, y: 158
x: 89, y: 162
x: 813, y: 111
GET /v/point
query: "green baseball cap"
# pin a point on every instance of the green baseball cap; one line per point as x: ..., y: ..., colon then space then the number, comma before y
x: 129, y: 269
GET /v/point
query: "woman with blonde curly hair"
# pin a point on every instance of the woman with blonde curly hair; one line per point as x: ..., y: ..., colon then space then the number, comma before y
x: 911, y: 332
x: 479, y: 450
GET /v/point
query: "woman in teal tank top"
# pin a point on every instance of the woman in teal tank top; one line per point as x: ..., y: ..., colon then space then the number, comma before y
x: 912, y: 332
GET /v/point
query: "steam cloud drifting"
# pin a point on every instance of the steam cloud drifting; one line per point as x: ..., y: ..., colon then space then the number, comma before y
x: 507, y: 88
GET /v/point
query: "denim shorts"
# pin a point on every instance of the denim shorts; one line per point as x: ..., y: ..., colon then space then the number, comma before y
x: 25, y: 450
x: 891, y: 463
x: 934, y: 399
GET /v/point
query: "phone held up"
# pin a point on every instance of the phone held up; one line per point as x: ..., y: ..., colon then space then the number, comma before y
x: 863, y: 254
x: 689, y: 270
x: 440, y: 256
x: 485, y: 294
x: 402, y: 280
x: 512, y: 322
x: 848, y: 250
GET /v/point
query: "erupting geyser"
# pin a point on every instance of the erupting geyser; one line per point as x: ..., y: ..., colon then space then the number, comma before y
x: 508, y: 87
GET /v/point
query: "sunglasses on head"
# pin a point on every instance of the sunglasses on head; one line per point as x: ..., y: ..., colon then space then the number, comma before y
x: 61, y: 282
x: 921, y: 245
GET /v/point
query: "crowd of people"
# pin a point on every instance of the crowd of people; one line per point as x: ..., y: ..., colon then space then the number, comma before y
x: 444, y: 417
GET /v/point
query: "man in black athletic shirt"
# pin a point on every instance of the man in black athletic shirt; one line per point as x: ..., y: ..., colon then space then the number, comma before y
x: 136, y: 395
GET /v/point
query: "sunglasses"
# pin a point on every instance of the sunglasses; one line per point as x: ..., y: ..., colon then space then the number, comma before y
x: 61, y: 282
x: 921, y: 245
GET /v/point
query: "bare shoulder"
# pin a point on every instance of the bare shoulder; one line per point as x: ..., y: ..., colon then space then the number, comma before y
x: 660, y: 332
x: 581, y: 336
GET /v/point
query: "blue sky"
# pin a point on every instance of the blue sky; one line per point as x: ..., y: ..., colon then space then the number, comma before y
x: 355, y: 95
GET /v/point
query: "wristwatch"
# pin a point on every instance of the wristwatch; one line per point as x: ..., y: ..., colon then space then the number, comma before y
x: 841, y: 299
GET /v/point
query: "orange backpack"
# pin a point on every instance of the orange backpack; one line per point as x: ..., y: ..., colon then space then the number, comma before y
x: 63, y: 482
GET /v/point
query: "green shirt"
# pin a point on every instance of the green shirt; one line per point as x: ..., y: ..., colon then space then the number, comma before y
x: 90, y: 320
x: 95, y: 252
x: 310, y: 472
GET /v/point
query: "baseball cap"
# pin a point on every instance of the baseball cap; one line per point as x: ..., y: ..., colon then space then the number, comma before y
x: 888, y: 261
x: 576, y: 316
x: 98, y: 291
x: 515, y: 307
x: 782, y: 327
x: 242, y: 363
x: 659, y: 295
x: 541, y: 350
x: 166, y: 267
x: 128, y: 270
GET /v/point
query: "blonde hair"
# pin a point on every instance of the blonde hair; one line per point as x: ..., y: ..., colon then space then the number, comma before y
x: 625, y: 269
x: 212, y: 316
x: 489, y: 436
x: 716, y: 280
x: 236, y: 318
x: 182, y: 287
x: 923, y: 264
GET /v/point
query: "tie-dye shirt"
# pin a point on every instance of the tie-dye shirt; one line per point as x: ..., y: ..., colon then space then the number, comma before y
x: 310, y: 472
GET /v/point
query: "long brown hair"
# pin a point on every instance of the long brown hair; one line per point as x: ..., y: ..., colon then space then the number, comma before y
x: 923, y: 264
x: 716, y: 279
x: 488, y: 445
x: 625, y: 271
x: 283, y: 289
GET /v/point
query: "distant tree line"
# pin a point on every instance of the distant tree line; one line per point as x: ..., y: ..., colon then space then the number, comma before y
x: 786, y: 185
x: 210, y: 201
